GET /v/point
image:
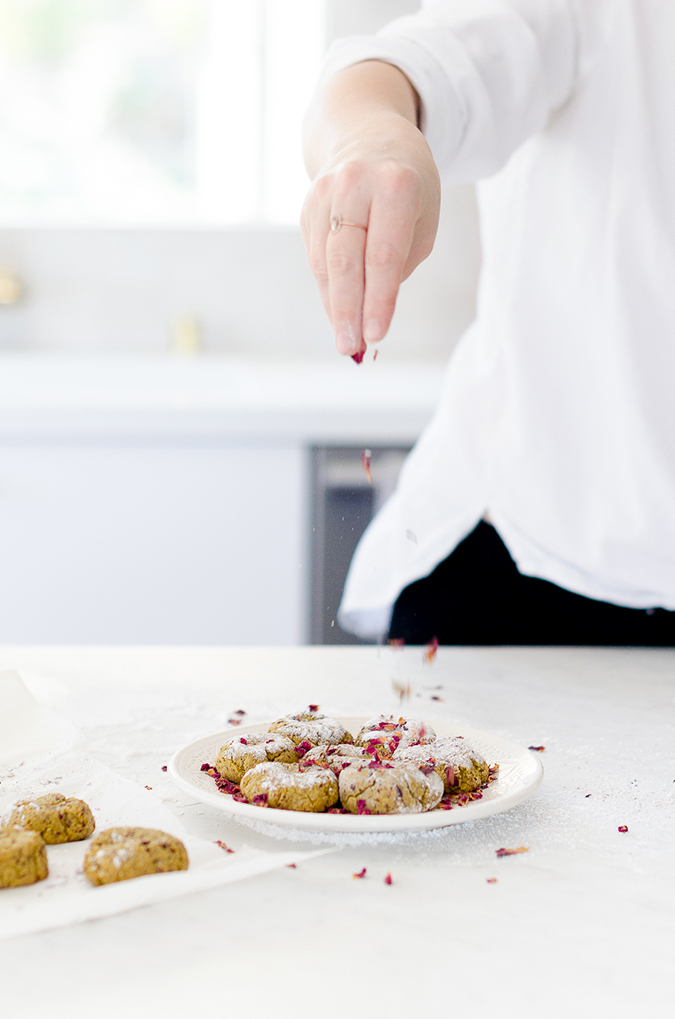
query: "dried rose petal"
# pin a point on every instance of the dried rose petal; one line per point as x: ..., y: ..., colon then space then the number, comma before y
x: 358, y: 357
x: 375, y: 353
x: 366, y: 457
x: 361, y: 873
x: 259, y: 800
x: 511, y: 852
x: 388, y: 880
x: 396, y: 642
x: 430, y: 650
x: 239, y: 712
x: 238, y: 798
x: 147, y: 787
x: 225, y: 786
x: 222, y: 845
x: 244, y: 741
x: 623, y: 827
x: 437, y: 698
x: 205, y: 767
x: 538, y: 750
x: 361, y: 807
x: 449, y: 774
x: 293, y: 866
x: 491, y: 880
x: 164, y: 767
x: 427, y: 766
x: 234, y: 721
x: 314, y: 708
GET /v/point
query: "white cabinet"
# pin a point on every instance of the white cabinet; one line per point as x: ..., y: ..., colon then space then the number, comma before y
x: 159, y: 500
x: 168, y: 543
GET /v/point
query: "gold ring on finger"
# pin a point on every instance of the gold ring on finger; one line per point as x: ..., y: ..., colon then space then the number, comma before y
x: 337, y: 222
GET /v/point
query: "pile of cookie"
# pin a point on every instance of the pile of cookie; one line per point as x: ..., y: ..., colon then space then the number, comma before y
x: 28, y: 826
x: 309, y: 762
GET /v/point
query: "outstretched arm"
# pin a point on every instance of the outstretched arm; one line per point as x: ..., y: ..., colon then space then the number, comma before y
x: 372, y: 212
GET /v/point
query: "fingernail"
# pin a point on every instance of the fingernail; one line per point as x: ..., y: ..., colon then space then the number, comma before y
x: 373, y: 331
x: 344, y: 342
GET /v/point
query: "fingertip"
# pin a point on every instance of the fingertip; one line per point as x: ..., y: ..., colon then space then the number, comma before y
x: 373, y: 331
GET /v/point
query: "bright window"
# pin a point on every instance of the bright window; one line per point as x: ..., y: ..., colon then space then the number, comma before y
x: 152, y: 112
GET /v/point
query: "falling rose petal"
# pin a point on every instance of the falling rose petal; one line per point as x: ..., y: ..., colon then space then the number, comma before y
x: 396, y: 642
x: 538, y: 750
x: 293, y: 866
x: 366, y: 457
x: 436, y: 698
x: 388, y: 880
x: 313, y: 708
x: 164, y: 767
x: 222, y: 845
x: 491, y: 880
x: 403, y: 690
x: 150, y: 787
x: 511, y: 852
x: 623, y: 827
x: 358, y: 356
x: 234, y: 721
x: 375, y: 353
x: 239, y: 712
x: 430, y: 650
x: 361, y: 873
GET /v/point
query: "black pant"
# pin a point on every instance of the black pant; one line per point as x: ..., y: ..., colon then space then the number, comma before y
x: 477, y: 596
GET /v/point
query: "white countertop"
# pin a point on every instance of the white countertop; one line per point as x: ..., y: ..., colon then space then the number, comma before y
x: 63, y: 397
x: 581, y: 925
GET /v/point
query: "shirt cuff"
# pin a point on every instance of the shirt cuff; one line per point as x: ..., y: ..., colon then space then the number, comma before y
x: 442, y: 116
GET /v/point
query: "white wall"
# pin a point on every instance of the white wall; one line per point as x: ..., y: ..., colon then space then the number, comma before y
x: 121, y: 290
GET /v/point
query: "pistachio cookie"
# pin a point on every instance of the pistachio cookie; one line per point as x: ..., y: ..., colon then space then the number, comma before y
x: 337, y: 758
x: 387, y: 733
x: 23, y: 857
x: 54, y: 817
x: 241, y: 753
x: 118, y: 854
x: 461, y: 767
x: 290, y: 787
x: 311, y: 727
x: 384, y: 788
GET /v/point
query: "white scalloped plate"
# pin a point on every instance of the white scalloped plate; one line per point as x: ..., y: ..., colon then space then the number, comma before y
x: 520, y: 772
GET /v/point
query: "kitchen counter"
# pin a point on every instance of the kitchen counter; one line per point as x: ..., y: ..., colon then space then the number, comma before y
x: 61, y: 397
x: 582, y: 924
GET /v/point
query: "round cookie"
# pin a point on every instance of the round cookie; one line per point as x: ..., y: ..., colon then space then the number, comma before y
x: 118, y: 854
x: 461, y: 767
x: 23, y: 857
x: 290, y: 787
x: 387, y: 733
x: 337, y: 758
x: 310, y: 726
x: 54, y: 817
x: 383, y: 788
x: 241, y: 753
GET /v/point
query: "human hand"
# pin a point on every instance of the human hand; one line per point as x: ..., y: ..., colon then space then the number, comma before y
x: 370, y: 217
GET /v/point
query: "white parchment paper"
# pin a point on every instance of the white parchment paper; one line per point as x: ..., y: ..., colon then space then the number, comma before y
x: 66, y: 896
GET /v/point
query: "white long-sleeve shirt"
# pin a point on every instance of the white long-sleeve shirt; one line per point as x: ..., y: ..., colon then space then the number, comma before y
x: 558, y: 411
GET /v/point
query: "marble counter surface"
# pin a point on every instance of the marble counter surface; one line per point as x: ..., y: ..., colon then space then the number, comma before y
x: 582, y: 924
x: 66, y: 397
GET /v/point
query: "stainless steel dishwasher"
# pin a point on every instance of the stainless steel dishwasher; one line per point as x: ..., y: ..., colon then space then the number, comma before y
x: 344, y: 502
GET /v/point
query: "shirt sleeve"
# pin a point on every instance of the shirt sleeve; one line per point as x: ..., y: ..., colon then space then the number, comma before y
x: 489, y: 73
